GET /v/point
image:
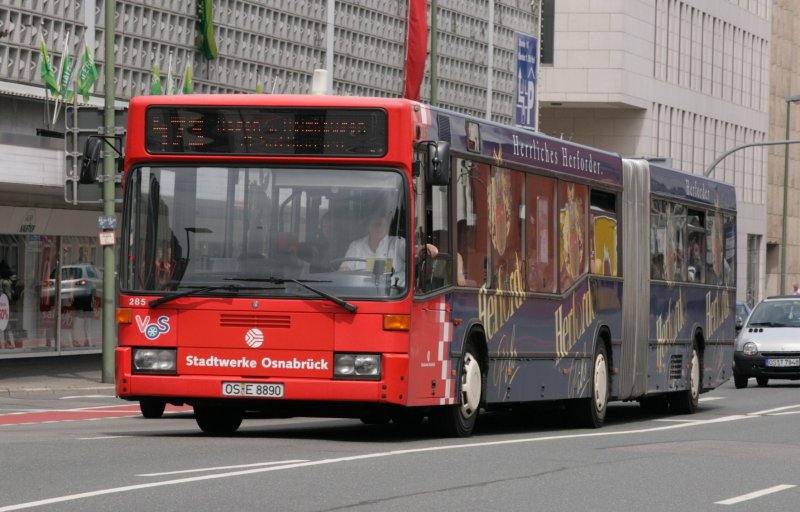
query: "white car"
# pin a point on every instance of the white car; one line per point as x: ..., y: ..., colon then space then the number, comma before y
x: 80, y: 285
x: 768, y: 346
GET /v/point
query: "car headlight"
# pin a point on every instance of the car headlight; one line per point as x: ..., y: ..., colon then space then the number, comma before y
x: 750, y: 349
x: 154, y: 360
x: 357, y: 366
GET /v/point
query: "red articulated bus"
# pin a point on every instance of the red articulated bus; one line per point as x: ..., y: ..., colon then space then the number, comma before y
x: 379, y: 259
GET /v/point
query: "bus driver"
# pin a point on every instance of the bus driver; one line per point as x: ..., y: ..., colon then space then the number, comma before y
x: 378, y: 244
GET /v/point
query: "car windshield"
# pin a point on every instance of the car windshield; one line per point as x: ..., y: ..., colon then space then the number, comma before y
x: 189, y: 227
x: 779, y: 313
x: 68, y: 273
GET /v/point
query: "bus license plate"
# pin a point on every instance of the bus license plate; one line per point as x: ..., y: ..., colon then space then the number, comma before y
x: 252, y: 389
x: 783, y: 363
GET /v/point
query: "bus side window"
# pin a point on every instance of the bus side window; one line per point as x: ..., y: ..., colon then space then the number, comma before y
x: 505, y: 216
x: 471, y: 219
x: 573, y: 206
x: 657, y: 239
x: 604, y: 236
x: 541, y: 234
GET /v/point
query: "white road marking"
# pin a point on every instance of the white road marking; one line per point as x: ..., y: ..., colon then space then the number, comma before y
x: 769, y: 411
x: 74, y: 397
x: 711, y: 398
x: 784, y: 413
x: 376, y: 455
x: 673, y: 420
x: 200, y: 470
x: 753, y: 495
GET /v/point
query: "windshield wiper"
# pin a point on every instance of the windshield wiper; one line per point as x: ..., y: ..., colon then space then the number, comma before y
x: 233, y: 288
x: 279, y: 280
x: 767, y: 324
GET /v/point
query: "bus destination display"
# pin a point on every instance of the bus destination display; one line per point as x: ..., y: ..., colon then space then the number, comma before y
x: 266, y: 131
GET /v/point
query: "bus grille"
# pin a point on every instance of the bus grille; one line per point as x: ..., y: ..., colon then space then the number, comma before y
x: 255, y: 320
x: 675, y: 367
x: 444, y: 128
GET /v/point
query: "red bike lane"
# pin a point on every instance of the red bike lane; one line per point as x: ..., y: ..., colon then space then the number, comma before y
x: 80, y: 414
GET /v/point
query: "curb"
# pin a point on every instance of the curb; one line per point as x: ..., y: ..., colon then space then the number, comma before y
x: 57, y: 389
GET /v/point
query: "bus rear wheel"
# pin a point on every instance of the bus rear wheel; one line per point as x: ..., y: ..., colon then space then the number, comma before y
x: 685, y: 402
x: 591, y: 412
x: 459, y: 420
x: 218, y: 420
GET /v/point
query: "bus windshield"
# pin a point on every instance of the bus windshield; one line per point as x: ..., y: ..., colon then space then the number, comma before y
x: 341, y: 231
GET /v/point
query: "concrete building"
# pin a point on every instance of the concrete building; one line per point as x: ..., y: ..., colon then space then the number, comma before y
x: 785, y: 63
x: 682, y: 80
x: 272, y: 45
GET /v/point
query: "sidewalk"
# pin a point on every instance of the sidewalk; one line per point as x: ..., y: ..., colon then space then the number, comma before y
x: 79, y: 373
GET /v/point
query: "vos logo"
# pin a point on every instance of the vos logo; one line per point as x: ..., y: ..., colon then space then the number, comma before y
x: 254, y: 338
x: 153, y: 330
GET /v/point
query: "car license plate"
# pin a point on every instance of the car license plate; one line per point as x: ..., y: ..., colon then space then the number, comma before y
x: 782, y: 363
x: 253, y: 389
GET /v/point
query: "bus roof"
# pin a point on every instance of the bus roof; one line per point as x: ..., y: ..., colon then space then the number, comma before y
x: 665, y: 181
x: 512, y: 145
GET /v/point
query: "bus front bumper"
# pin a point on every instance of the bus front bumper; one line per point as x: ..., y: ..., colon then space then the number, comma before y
x: 392, y: 388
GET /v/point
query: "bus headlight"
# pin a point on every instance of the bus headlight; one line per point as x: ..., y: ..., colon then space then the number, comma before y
x: 357, y: 366
x: 154, y: 360
x: 750, y: 349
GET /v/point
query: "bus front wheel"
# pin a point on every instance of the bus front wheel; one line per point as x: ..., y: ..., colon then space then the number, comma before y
x: 217, y: 420
x: 459, y: 420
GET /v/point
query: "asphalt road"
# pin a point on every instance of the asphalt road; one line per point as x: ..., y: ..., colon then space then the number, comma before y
x: 739, y: 452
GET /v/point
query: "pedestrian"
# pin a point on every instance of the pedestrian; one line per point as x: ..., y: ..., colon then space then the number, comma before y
x: 796, y: 290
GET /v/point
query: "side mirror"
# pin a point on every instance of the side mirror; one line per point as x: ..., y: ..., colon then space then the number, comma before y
x: 91, y: 159
x: 438, y: 168
x: 739, y: 322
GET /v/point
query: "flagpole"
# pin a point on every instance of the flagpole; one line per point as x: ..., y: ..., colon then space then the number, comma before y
x: 61, y: 76
x: 169, y: 74
x: 46, y: 90
x: 47, y: 108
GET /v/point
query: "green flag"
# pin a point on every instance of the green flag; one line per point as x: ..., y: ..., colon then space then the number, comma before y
x: 155, y: 81
x: 65, y: 84
x: 187, y: 86
x: 87, y: 74
x: 48, y: 74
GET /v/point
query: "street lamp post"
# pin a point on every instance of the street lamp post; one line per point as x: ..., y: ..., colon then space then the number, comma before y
x: 789, y: 101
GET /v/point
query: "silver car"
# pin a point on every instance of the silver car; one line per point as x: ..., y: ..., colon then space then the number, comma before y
x: 768, y: 346
x: 80, y: 286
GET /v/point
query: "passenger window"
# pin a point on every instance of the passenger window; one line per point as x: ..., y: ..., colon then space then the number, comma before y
x: 572, y: 229
x: 506, y: 189
x: 603, y: 254
x: 541, y: 234
x: 471, y: 210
